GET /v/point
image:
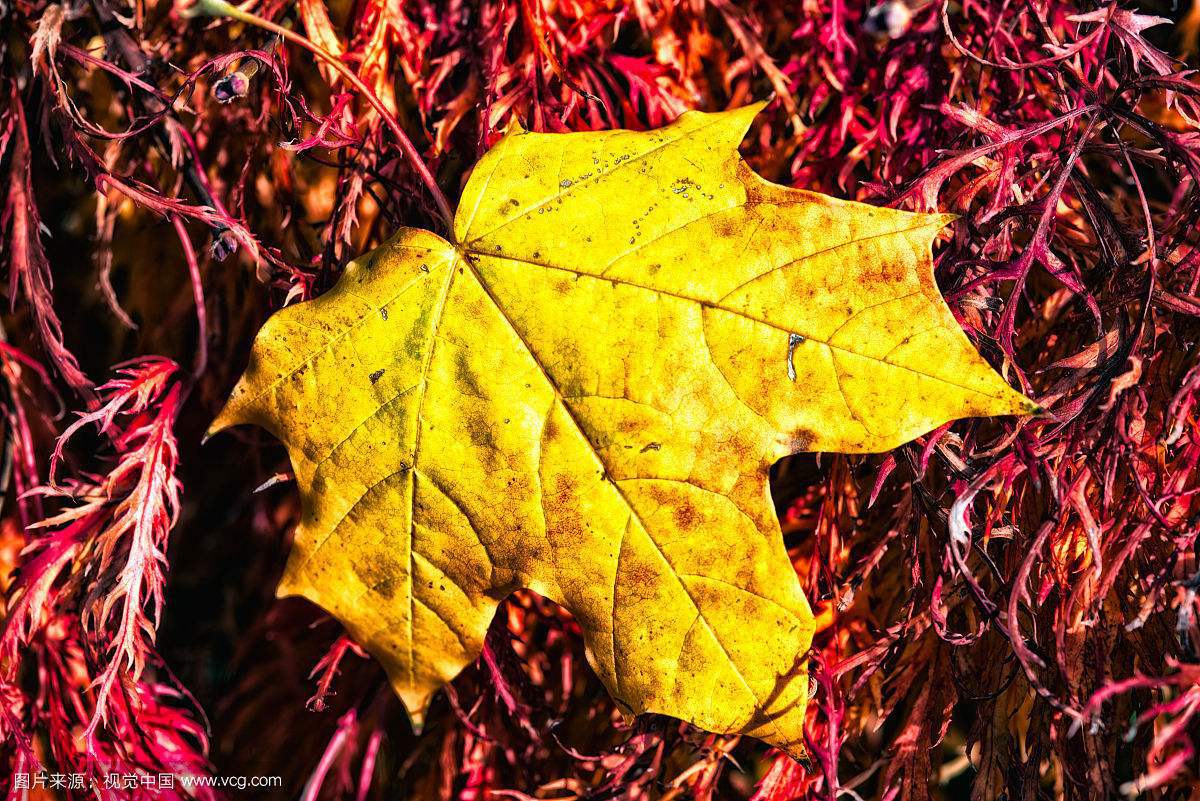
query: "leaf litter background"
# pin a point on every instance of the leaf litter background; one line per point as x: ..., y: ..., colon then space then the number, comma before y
x: 1006, y: 610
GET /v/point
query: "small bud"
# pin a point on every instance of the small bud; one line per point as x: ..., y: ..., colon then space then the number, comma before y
x: 223, y: 246
x: 233, y: 86
x: 890, y: 18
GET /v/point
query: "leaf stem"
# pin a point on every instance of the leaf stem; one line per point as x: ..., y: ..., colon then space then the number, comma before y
x: 220, y: 8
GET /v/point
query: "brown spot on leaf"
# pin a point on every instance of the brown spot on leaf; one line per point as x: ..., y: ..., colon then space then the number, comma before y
x: 803, y: 439
x: 685, y: 514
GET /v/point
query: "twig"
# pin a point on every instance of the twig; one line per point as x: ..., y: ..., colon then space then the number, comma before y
x: 220, y: 8
x: 118, y: 39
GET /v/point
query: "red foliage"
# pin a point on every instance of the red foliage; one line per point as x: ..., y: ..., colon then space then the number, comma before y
x: 1005, y: 609
x: 86, y: 600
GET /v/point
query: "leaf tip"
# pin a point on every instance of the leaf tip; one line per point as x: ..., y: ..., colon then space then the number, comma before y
x: 414, y: 697
x: 730, y: 120
x: 226, y: 418
x: 417, y: 720
x: 1016, y: 404
x: 744, y: 115
x: 513, y: 127
x: 238, y: 409
x: 289, y: 587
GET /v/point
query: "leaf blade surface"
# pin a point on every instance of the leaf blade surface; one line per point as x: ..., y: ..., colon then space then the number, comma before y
x: 583, y: 395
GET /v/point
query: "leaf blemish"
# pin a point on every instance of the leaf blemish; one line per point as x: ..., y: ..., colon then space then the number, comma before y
x: 793, y: 341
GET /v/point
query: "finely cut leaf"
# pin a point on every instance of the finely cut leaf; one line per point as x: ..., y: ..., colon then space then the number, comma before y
x: 583, y: 394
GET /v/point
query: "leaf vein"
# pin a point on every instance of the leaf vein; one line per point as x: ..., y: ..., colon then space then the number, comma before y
x: 752, y: 318
x: 621, y: 494
x: 599, y: 175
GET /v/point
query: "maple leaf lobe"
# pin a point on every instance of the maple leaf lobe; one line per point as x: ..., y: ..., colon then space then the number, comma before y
x: 583, y: 395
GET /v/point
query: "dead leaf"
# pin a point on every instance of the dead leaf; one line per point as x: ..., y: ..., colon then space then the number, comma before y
x: 582, y: 394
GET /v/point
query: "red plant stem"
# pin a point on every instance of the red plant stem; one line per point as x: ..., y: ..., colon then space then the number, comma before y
x: 347, y: 723
x: 189, y: 255
x: 368, y: 764
x: 220, y: 8
x: 121, y: 42
x: 1066, y: 53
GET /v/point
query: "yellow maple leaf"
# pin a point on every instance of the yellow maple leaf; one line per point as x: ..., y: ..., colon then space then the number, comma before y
x: 582, y: 394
